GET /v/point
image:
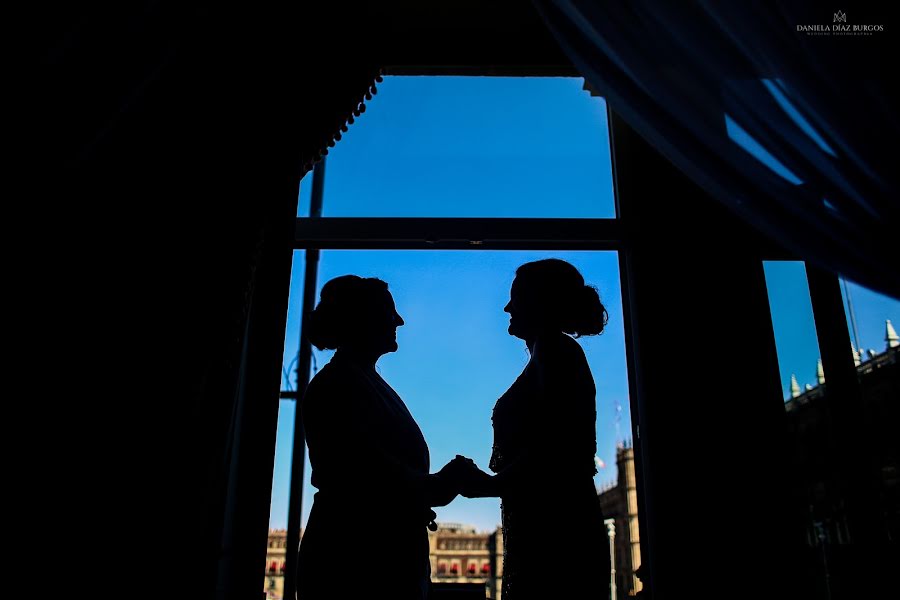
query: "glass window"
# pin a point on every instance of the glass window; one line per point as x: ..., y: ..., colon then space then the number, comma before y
x: 839, y: 495
x: 872, y: 321
x: 305, y: 200
x: 467, y: 146
x: 795, y: 329
x: 455, y: 351
x: 284, y: 444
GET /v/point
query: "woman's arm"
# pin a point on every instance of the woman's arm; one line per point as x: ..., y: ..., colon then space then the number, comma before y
x: 475, y: 483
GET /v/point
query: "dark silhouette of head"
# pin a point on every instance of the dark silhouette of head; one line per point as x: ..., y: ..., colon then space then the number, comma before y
x: 550, y: 296
x: 355, y: 314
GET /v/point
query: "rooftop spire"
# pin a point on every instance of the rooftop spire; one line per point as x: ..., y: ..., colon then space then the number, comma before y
x: 795, y: 387
x: 820, y: 372
x: 856, y: 359
x: 890, y: 336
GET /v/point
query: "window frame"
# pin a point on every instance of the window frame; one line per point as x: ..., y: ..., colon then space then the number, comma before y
x: 315, y: 233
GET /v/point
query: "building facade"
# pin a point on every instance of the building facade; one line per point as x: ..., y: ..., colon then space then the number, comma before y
x: 460, y: 554
x: 276, y: 552
x: 619, y: 503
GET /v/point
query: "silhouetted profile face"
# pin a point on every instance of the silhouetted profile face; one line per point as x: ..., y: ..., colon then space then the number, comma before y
x: 549, y: 296
x: 356, y: 315
x: 378, y: 331
x: 522, y: 320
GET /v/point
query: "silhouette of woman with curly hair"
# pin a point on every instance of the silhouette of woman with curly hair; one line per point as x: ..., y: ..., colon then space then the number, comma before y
x: 545, y: 443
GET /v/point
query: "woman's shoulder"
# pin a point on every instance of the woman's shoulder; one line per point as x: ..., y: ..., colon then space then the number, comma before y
x: 561, y: 359
x: 557, y: 346
x: 333, y: 378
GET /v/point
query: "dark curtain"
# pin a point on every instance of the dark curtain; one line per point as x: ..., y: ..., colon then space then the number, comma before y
x: 792, y: 126
x: 174, y: 136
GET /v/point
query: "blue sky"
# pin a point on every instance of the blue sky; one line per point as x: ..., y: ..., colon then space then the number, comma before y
x: 473, y: 147
x: 494, y: 147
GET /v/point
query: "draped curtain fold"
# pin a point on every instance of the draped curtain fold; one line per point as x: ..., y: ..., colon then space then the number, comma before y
x: 185, y: 128
x: 793, y: 128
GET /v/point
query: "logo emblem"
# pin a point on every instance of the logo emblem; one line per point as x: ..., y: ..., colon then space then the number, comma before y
x: 840, y: 17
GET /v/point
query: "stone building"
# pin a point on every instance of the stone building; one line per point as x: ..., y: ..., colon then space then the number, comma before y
x: 619, y: 502
x: 276, y: 551
x: 460, y: 554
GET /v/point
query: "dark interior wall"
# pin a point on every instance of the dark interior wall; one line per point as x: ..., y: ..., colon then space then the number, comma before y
x: 708, y: 399
x: 196, y: 171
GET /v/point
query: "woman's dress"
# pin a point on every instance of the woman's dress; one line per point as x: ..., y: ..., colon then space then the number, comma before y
x: 555, y: 544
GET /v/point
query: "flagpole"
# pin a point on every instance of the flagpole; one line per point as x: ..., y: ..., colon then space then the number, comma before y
x: 852, y: 316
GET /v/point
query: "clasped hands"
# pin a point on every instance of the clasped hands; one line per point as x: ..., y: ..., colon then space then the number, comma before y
x: 461, y: 476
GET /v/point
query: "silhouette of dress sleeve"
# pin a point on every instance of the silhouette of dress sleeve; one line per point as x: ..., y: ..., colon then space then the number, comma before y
x: 369, y: 463
x: 360, y: 434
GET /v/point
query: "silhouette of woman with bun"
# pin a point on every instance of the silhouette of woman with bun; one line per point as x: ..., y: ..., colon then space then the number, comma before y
x: 367, y: 455
x: 555, y: 544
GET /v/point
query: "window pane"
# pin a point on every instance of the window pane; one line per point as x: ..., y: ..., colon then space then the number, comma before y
x: 305, y: 199
x: 276, y: 548
x: 467, y: 146
x: 813, y: 476
x: 843, y: 455
x: 795, y: 328
x: 873, y: 320
x: 456, y: 358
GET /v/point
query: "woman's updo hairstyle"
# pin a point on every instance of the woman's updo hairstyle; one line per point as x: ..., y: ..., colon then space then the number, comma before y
x: 554, y: 292
x: 345, y: 306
